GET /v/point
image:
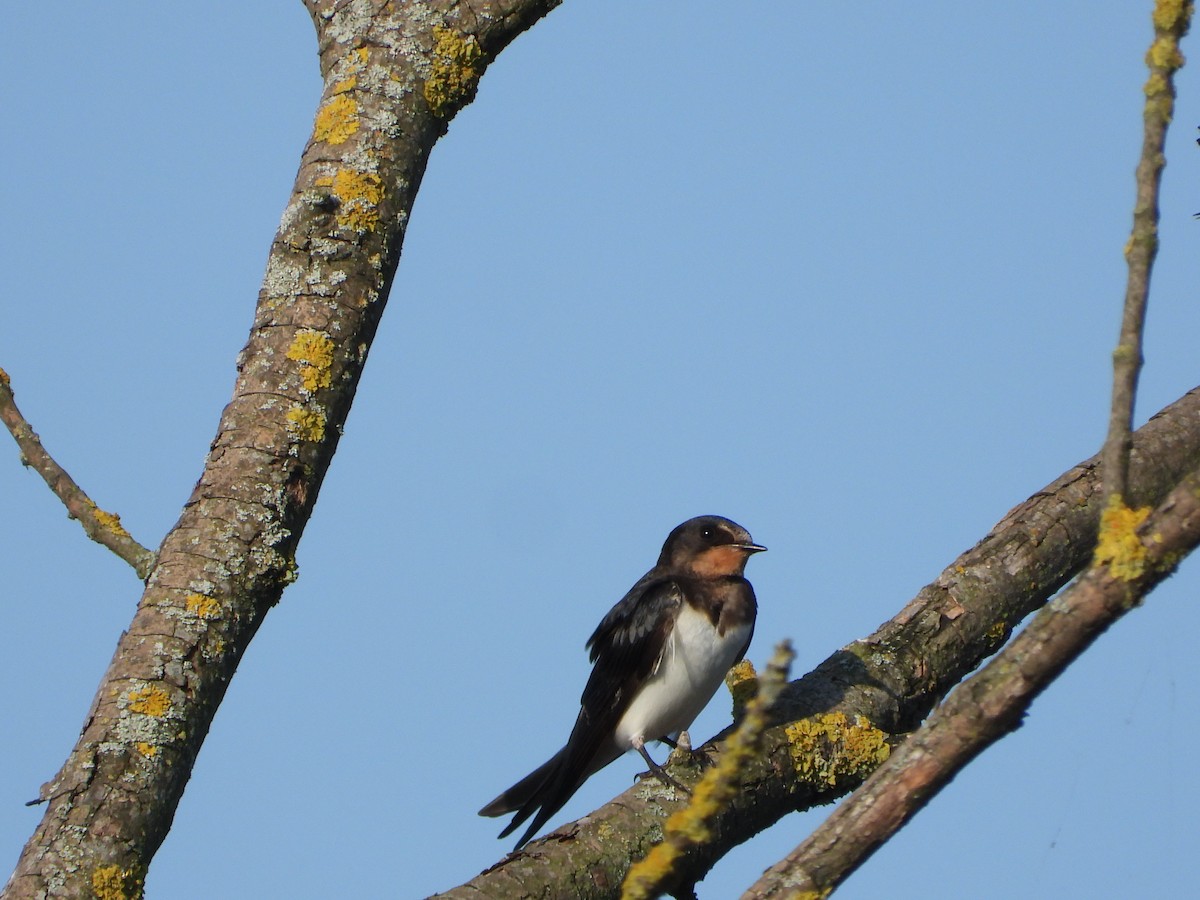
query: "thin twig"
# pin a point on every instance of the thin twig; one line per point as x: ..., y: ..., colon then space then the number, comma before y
x: 990, y: 704
x: 102, y: 527
x: 1171, y: 20
x: 653, y: 874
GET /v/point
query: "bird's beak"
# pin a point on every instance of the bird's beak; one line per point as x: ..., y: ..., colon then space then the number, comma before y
x: 751, y: 548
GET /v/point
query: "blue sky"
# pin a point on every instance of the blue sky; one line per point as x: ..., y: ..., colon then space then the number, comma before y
x: 848, y: 275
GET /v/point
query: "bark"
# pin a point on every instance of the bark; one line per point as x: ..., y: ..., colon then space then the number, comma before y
x: 394, y: 76
x: 820, y: 749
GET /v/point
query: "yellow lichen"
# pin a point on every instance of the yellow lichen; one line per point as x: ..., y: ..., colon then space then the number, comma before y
x: 457, y: 64
x: 147, y: 749
x: 1164, y: 54
x: 337, y: 120
x: 306, y: 424
x: 1171, y: 20
x: 203, y: 606
x: 654, y: 867
x: 150, y: 701
x: 114, y: 883
x: 742, y: 682
x: 1158, y: 92
x: 865, y: 746
x: 110, y: 522
x: 359, y: 193
x: 691, y: 822
x: 1118, y: 545
x: 315, y: 351
x: 346, y: 84
x: 827, y: 748
x: 1169, y: 15
x: 4, y: 379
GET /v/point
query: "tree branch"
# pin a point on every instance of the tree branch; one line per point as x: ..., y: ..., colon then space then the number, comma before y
x: 394, y: 76
x: 1171, y: 19
x: 832, y: 721
x: 989, y: 705
x: 102, y: 527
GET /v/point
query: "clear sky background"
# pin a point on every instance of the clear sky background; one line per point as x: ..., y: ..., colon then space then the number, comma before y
x: 847, y: 274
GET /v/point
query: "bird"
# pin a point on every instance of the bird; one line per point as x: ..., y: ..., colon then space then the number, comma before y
x: 658, y: 657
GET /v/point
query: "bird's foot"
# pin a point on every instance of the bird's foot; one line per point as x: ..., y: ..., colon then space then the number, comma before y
x: 659, y: 772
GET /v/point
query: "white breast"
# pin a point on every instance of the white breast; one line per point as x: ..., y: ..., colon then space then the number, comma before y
x: 692, y: 666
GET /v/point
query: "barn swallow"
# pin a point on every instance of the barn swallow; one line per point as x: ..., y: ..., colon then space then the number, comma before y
x: 658, y: 657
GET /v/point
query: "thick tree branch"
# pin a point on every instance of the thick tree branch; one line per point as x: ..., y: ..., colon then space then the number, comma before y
x: 1171, y: 19
x: 102, y: 527
x: 394, y: 76
x: 828, y: 739
x: 990, y: 704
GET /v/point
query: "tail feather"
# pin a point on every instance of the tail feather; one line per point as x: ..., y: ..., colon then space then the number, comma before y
x: 524, y: 790
x: 550, y: 796
x: 539, y: 820
x: 546, y: 790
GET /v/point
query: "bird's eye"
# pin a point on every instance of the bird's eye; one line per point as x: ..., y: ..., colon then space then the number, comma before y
x: 708, y: 532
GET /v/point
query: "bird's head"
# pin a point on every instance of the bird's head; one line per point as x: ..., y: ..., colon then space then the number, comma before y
x: 709, y: 546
